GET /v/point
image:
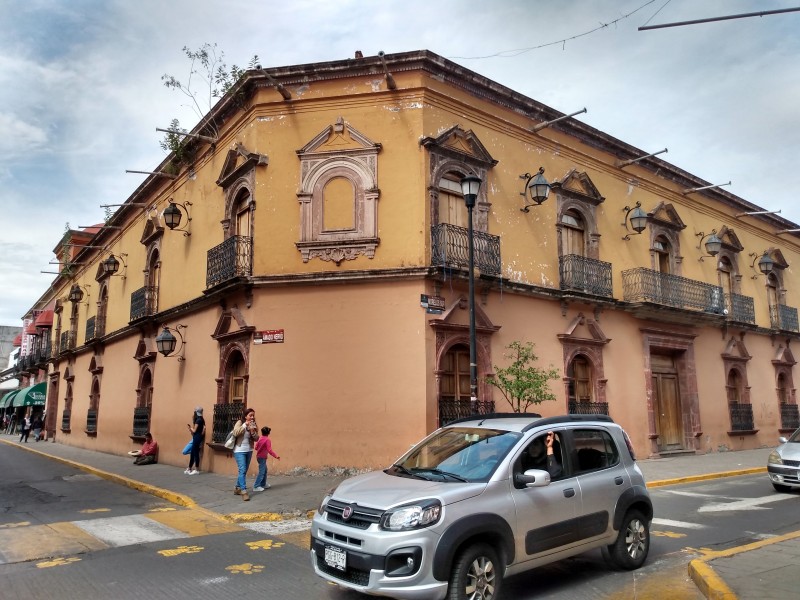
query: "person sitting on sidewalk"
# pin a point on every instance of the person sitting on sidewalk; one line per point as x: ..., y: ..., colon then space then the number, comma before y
x: 149, y: 452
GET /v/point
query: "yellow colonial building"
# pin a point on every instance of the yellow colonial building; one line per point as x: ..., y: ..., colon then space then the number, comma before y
x: 306, y: 249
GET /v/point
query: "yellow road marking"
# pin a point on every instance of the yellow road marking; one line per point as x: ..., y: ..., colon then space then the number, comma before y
x: 89, y: 511
x: 301, y: 539
x: 669, y: 534
x: 245, y: 569
x: 58, y: 562
x: 264, y: 545
x: 181, y: 550
x: 39, y: 541
x: 194, y: 522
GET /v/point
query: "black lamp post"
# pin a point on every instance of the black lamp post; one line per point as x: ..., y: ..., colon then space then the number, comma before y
x: 470, y: 186
x: 111, y: 265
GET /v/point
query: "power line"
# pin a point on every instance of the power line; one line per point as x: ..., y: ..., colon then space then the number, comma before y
x: 518, y: 51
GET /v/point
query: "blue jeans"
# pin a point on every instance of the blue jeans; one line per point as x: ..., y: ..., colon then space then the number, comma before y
x: 243, y: 462
x: 261, y: 478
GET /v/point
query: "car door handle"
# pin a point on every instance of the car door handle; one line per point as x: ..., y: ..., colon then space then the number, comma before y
x: 569, y: 493
x: 618, y: 480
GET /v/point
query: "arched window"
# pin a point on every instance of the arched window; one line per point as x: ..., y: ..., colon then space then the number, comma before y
x: 662, y: 249
x: 734, y: 387
x: 152, y: 277
x: 94, y: 407
x: 102, y: 311
x: 243, y: 214
x: 783, y: 391
x: 236, y: 379
x: 66, y: 415
x: 579, y: 373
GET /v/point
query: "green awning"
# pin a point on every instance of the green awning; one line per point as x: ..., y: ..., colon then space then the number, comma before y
x: 8, y: 398
x: 31, y: 396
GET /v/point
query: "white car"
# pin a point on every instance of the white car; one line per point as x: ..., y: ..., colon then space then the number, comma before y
x: 783, y: 464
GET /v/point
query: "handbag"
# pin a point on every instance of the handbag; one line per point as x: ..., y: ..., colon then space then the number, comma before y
x: 230, y: 441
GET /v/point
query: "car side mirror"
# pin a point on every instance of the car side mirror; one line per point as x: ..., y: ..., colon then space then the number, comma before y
x: 533, y: 478
x: 782, y: 440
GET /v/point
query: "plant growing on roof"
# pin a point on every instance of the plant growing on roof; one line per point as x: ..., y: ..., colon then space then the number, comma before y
x: 522, y: 383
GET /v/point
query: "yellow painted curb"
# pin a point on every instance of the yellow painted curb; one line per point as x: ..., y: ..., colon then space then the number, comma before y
x: 706, y: 579
x: 693, y: 478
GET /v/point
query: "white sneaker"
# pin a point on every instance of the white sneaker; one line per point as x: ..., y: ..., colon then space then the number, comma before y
x: 258, y: 489
x: 187, y: 472
x: 193, y: 472
x: 266, y: 486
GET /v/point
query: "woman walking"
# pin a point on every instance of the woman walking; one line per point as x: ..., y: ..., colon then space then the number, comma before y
x: 246, y: 432
x: 198, y: 431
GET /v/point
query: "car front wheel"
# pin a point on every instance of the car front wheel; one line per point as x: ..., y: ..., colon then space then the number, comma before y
x: 633, y: 543
x: 477, y: 574
x: 781, y: 488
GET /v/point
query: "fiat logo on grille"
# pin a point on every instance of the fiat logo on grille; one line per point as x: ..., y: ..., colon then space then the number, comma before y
x: 347, y: 512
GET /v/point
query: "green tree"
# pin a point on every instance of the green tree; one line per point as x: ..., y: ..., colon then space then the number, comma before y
x: 522, y: 383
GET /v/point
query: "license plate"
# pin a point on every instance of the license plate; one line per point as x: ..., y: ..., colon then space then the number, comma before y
x: 336, y: 557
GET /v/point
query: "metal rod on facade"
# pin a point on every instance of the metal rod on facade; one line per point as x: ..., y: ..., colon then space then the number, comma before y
x: 726, y: 18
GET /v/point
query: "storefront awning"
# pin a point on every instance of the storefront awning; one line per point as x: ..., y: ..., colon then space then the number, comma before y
x: 8, y: 399
x: 31, y: 396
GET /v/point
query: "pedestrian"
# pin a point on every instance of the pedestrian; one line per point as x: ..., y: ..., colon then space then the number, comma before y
x: 263, y: 449
x: 198, y: 431
x: 148, y: 455
x: 246, y: 432
x: 26, y: 429
x: 37, y: 426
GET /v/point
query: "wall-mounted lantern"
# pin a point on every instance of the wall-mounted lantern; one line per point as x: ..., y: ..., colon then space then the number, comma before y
x: 765, y: 263
x: 76, y: 293
x: 173, y: 215
x: 111, y: 265
x: 713, y: 243
x: 637, y: 217
x: 166, y: 342
x: 537, y: 187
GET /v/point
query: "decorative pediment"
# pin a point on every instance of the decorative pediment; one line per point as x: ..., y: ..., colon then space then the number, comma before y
x: 736, y: 350
x: 730, y: 241
x: 153, y: 230
x: 460, y: 145
x: 666, y: 215
x: 337, y: 138
x: 239, y: 161
x: 584, y: 330
x: 579, y: 186
x: 456, y: 316
x: 96, y: 365
x: 145, y: 350
x: 231, y: 324
x: 777, y: 257
x: 784, y: 356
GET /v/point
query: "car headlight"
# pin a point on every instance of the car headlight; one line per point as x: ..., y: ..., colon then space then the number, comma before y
x: 774, y: 458
x: 324, y: 504
x: 413, y: 516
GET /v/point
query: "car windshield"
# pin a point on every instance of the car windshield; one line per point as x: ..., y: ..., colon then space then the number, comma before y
x: 457, y: 454
x: 795, y: 437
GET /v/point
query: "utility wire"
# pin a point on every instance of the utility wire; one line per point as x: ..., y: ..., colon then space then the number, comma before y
x: 519, y: 51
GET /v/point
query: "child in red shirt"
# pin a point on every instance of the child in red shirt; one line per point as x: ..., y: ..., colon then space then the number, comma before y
x: 263, y: 449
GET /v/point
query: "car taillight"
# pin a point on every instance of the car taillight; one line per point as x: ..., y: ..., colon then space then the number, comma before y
x: 628, y: 444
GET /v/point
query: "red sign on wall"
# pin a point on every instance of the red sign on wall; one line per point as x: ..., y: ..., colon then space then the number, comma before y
x: 270, y: 336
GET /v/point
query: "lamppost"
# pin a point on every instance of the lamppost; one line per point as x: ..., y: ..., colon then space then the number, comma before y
x: 470, y: 186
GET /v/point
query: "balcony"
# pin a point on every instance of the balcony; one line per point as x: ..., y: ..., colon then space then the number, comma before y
x: 450, y: 248
x: 144, y: 302
x: 790, y: 416
x: 451, y: 409
x: 584, y: 274
x: 648, y: 286
x: 141, y: 421
x: 783, y: 317
x: 231, y: 259
x: 583, y: 407
x: 741, y: 416
x: 67, y: 342
x: 740, y: 308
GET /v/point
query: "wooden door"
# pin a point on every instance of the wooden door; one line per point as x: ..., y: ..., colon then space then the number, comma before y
x: 667, y: 403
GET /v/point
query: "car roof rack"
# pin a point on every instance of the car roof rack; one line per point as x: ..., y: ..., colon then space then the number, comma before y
x: 569, y: 419
x: 512, y: 415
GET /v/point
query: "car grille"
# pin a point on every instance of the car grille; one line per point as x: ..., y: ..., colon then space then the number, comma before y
x: 338, y: 537
x: 355, y: 576
x: 791, y: 463
x: 361, y: 518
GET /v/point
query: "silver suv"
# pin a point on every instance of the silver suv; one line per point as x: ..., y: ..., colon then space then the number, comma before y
x: 483, y: 498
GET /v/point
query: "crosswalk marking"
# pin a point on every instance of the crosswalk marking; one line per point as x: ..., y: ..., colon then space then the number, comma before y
x: 129, y: 530
x: 746, y: 504
x: 678, y: 524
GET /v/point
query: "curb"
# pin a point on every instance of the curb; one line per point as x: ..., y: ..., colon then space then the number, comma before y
x: 693, y: 478
x: 710, y: 583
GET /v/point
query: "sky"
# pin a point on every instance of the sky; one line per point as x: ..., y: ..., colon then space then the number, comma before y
x: 81, y: 89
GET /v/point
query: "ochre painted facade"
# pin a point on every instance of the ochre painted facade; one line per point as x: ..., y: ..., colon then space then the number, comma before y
x: 316, y: 216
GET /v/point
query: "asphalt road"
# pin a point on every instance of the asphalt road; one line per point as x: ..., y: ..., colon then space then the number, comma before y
x: 68, y: 534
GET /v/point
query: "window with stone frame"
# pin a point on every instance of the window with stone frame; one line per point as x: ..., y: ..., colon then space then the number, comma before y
x: 338, y: 195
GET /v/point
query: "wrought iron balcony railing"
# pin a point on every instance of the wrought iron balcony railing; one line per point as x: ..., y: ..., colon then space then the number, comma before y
x: 783, y: 317
x: 790, y: 416
x: 67, y: 341
x: 450, y: 248
x: 228, y: 260
x: 647, y: 285
x: 141, y: 420
x: 741, y: 416
x: 588, y: 408
x: 225, y: 416
x: 451, y: 409
x: 585, y: 275
x: 144, y: 302
x: 740, y: 308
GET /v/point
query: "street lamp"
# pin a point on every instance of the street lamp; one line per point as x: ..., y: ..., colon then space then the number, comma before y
x: 470, y: 186
x: 166, y: 342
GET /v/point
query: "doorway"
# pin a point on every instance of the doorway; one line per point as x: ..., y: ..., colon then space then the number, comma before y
x: 667, y: 402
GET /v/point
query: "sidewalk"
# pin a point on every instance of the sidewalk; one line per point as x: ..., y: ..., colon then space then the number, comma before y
x: 766, y: 569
